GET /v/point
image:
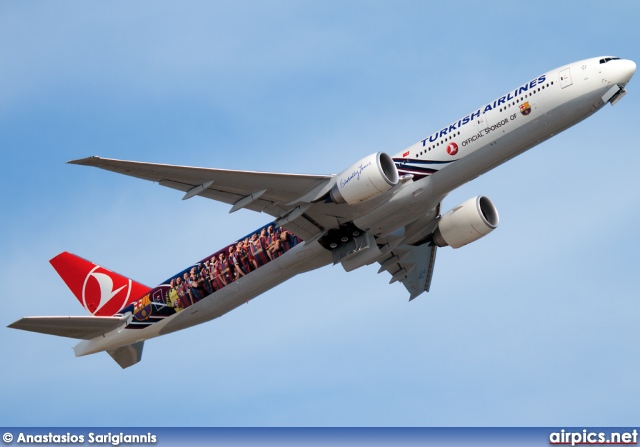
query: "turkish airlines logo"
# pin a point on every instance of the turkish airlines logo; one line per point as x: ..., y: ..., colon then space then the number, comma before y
x: 101, y: 295
x: 452, y: 148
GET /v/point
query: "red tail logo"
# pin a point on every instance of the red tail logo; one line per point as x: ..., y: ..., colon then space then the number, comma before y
x: 101, y: 291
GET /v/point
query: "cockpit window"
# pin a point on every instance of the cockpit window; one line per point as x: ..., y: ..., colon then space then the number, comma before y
x: 607, y: 59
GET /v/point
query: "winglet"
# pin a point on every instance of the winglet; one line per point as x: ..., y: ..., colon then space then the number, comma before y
x: 102, y: 292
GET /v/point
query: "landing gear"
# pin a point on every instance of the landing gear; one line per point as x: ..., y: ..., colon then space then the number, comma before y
x: 344, y: 241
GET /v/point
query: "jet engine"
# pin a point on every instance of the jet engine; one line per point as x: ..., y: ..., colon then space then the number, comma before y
x: 366, y: 179
x: 466, y: 223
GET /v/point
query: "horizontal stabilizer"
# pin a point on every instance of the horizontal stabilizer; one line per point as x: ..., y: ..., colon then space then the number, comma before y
x: 84, y: 328
x: 127, y: 355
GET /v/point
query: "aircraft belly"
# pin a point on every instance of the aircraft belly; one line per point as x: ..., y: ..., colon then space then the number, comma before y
x: 302, y: 258
x: 116, y: 339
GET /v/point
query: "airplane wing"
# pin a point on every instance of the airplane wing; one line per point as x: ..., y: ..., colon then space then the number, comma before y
x: 279, y: 195
x: 411, y: 265
x: 264, y: 191
x: 85, y: 328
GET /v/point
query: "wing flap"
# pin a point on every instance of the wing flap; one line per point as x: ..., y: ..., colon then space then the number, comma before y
x: 411, y: 265
x: 214, y: 194
x: 84, y: 328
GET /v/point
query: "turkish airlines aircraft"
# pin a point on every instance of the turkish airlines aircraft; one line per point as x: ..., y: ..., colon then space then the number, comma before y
x: 383, y: 209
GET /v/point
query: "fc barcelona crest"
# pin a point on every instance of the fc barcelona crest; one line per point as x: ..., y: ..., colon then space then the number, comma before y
x: 142, y: 308
x: 525, y: 108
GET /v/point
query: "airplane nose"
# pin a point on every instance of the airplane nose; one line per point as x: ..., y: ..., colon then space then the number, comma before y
x: 626, y: 69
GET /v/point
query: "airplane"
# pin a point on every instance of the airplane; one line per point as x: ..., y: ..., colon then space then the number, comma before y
x: 382, y: 209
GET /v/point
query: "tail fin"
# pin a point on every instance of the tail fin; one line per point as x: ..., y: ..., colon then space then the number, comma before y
x: 102, y: 292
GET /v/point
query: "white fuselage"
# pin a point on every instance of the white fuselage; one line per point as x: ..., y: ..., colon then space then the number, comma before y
x: 451, y: 156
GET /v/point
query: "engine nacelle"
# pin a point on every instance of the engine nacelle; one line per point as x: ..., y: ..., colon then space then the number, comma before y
x: 466, y: 223
x: 368, y: 178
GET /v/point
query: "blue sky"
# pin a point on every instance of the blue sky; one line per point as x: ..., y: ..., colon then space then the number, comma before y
x: 536, y: 324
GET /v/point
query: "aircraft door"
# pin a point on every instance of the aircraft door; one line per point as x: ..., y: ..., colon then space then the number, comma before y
x: 565, y: 78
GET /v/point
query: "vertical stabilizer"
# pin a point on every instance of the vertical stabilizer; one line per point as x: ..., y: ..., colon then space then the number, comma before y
x: 102, y: 292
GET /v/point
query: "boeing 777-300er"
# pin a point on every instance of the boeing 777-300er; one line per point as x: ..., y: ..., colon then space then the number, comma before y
x: 383, y: 209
